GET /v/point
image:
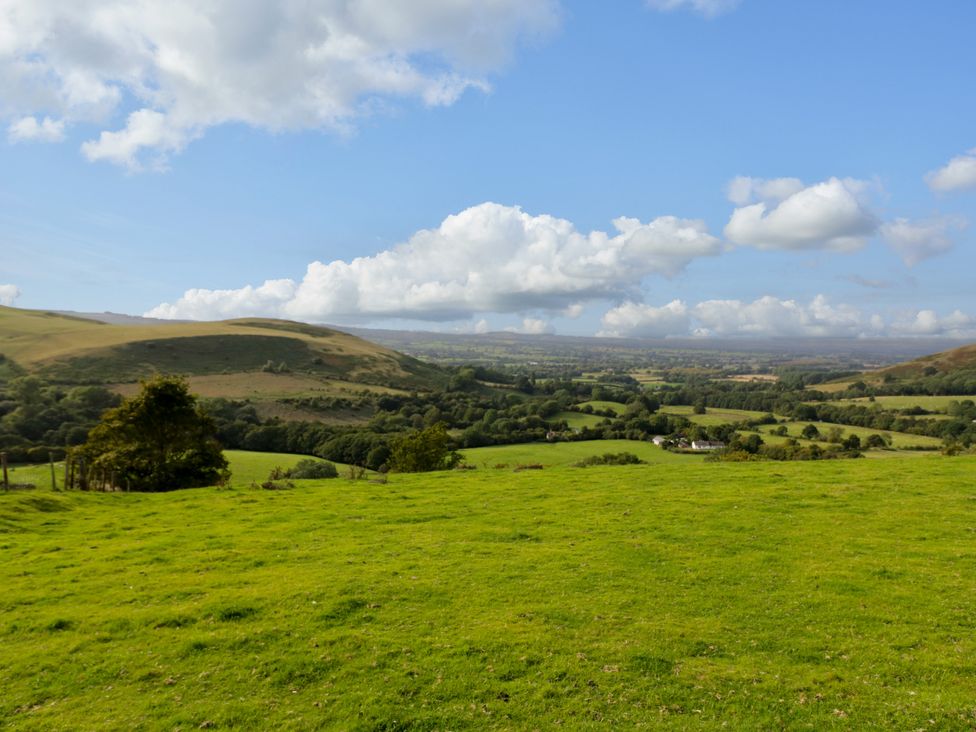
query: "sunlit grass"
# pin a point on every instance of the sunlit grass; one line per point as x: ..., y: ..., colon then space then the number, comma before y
x: 685, y: 595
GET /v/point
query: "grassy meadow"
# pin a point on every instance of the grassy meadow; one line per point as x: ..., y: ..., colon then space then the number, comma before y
x: 563, y: 454
x: 830, y: 595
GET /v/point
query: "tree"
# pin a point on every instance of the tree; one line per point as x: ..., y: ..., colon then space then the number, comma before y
x: 158, y: 440
x: 423, y: 451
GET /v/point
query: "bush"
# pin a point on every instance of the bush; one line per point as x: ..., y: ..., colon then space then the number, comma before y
x: 423, y: 451
x: 610, y: 458
x: 313, y: 469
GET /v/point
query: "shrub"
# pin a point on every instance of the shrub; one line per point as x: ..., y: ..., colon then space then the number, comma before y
x: 610, y: 458
x: 313, y: 469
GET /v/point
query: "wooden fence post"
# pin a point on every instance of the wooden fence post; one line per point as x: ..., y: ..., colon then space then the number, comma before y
x: 3, y: 460
x: 54, y: 480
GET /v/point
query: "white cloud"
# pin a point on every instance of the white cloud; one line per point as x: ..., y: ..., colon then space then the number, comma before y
x: 28, y: 129
x: 144, y: 130
x: 928, y: 323
x: 533, y: 326
x: 9, y: 294
x: 188, y: 66
x: 488, y: 258
x: 771, y: 317
x: 829, y: 215
x: 637, y: 320
x: 956, y: 175
x: 918, y: 240
x: 708, y: 8
x: 743, y: 190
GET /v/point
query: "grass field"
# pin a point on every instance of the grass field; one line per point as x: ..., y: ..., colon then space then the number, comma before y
x: 712, y: 416
x: 561, y: 454
x: 578, y: 419
x: 596, y: 404
x: 930, y: 403
x: 900, y: 440
x: 835, y: 595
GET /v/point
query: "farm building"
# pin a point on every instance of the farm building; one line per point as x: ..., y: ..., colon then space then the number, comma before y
x: 706, y: 445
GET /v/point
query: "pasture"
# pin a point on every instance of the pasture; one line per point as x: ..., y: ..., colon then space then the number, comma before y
x: 929, y: 403
x: 899, y: 440
x: 561, y: 454
x: 712, y: 417
x: 831, y: 595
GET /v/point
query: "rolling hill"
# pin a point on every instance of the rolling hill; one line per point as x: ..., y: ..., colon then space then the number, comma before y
x: 231, y: 358
x: 957, y: 359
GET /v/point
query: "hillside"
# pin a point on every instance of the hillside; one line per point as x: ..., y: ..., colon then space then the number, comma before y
x: 957, y: 359
x: 227, y: 358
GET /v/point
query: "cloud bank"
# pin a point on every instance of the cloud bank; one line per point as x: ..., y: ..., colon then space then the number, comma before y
x: 783, y: 214
x: 188, y: 66
x: 956, y: 175
x: 772, y: 317
x: 9, y: 294
x: 486, y: 259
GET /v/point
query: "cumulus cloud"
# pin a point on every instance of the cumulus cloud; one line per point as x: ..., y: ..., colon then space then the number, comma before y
x: 274, y: 65
x: 488, y: 258
x: 928, y: 323
x: 783, y: 214
x: 708, y: 8
x: 645, y: 321
x: 9, y: 294
x: 915, y: 241
x: 771, y: 317
x: 956, y: 175
x: 29, y: 129
x: 533, y: 326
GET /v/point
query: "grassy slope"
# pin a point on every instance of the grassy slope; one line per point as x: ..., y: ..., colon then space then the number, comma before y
x: 930, y: 403
x: 713, y: 416
x: 72, y: 349
x: 821, y: 596
x: 899, y: 439
x: 561, y: 454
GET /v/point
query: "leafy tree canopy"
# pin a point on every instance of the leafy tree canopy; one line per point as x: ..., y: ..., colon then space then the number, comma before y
x: 423, y: 451
x: 158, y: 440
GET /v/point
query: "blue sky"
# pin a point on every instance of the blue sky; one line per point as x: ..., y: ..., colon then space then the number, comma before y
x: 474, y: 157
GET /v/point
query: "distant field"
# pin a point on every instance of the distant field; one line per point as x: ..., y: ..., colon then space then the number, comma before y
x: 834, y: 595
x: 263, y: 386
x: 712, y: 416
x: 561, y: 454
x: 615, y: 406
x: 931, y: 403
x: 899, y: 439
x: 578, y: 419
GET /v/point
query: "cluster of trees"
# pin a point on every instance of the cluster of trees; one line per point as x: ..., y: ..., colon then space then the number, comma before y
x: 157, y: 440
x: 37, y: 419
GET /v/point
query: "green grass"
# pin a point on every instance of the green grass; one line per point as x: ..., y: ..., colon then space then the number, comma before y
x: 254, y: 467
x: 561, y: 454
x: 578, y: 419
x: 836, y: 595
x: 596, y: 404
x: 930, y: 403
x: 37, y: 475
x: 899, y: 440
x: 712, y: 416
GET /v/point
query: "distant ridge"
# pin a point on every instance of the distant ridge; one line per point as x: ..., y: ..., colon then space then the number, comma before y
x: 117, y: 318
x: 231, y: 357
